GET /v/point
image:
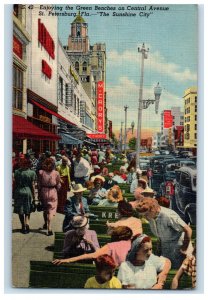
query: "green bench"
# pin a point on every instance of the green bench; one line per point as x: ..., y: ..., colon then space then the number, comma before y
x: 103, y: 239
x: 44, y: 274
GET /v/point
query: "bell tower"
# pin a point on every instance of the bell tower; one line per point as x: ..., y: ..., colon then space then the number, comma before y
x: 78, y: 41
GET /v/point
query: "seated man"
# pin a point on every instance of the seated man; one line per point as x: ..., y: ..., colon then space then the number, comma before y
x: 76, y: 205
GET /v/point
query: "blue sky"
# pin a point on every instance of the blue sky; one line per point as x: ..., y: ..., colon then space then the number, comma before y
x: 172, y: 60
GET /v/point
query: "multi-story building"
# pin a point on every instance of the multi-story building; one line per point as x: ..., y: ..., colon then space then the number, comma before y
x: 156, y: 140
x: 171, y: 120
x: 42, y: 78
x: 89, y: 62
x: 190, y: 117
x: 73, y: 102
x: 21, y: 40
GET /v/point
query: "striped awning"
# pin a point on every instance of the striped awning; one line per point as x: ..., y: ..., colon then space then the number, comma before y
x: 68, y: 139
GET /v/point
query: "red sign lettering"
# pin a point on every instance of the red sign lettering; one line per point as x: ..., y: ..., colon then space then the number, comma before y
x: 168, y: 119
x: 96, y: 136
x: 100, y: 107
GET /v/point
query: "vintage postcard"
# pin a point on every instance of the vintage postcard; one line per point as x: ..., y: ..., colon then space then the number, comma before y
x: 104, y: 160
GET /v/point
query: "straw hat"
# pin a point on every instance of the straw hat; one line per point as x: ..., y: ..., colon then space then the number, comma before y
x: 97, y: 177
x: 79, y: 221
x: 77, y: 188
x: 148, y: 190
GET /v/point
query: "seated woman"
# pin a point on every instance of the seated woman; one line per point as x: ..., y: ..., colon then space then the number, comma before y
x: 125, y: 216
x: 79, y: 239
x: 104, y: 279
x: 114, y: 195
x: 118, y: 248
x: 142, y: 269
x: 97, y: 193
x: 123, y: 173
x: 117, y: 177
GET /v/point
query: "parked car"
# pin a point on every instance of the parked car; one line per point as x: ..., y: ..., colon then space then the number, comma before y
x: 185, y: 192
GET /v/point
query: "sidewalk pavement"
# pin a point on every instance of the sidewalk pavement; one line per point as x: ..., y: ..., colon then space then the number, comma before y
x: 32, y: 246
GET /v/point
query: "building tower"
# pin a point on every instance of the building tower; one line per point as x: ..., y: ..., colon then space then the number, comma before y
x: 88, y: 60
x: 190, y: 118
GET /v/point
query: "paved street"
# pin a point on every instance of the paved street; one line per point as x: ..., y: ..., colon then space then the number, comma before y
x: 32, y: 246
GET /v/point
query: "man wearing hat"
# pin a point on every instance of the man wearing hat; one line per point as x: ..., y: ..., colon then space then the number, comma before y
x: 33, y: 161
x: 79, y: 238
x: 75, y: 205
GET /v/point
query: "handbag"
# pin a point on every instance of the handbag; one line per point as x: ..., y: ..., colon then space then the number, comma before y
x: 33, y: 206
x: 39, y: 206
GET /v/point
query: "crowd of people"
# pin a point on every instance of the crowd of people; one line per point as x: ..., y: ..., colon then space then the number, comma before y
x: 57, y: 182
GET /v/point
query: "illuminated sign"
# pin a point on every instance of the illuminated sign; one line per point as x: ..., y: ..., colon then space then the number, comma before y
x: 100, y: 107
x: 168, y: 119
x: 45, y: 39
x: 96, y: 135
x: 17, y: 47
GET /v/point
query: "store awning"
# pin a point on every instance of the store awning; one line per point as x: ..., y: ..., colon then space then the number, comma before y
x: 51, y: 112
x: 68, y: 139
x: 24, y: 129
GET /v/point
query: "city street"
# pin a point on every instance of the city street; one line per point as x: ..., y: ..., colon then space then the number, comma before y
x: 32, y: 246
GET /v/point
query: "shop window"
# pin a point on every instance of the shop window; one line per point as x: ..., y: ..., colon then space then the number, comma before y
x: 75, y: 104
x: 17, y: 88
x: 61, y: 92
x: 84, y: 66
x: 77, y: 66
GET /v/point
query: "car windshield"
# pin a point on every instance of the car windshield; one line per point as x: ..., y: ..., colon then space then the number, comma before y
x: 144, y: 165
x: 172, y: 167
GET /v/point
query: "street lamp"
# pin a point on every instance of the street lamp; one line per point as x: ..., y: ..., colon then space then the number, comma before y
x: 143, y: 104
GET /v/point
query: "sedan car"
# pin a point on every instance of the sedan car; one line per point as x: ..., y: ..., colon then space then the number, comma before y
x: 185, y: 192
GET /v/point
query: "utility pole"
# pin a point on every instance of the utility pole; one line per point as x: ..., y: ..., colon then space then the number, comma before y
x: 143, y: 51
x: 125, y: 134
x: 121, y: 135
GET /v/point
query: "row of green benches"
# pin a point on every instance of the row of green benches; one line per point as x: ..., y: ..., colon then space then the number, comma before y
x: 103, y: 239
x: 44, y: 274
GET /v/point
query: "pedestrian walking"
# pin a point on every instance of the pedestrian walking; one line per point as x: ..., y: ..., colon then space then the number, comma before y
x: 82, y: 169
x: 24, y: 192
x: 64, y: 172
x: 49, y: 184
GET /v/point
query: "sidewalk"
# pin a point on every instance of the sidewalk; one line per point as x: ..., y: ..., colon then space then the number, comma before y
x: 26, y: 247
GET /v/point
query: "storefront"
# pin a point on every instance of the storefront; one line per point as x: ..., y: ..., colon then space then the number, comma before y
x: 37, y: 138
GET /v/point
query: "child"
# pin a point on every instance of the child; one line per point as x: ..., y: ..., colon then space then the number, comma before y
x: 104, y: 278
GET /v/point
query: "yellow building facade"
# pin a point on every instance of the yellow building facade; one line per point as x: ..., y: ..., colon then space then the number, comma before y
x: 190, y: 117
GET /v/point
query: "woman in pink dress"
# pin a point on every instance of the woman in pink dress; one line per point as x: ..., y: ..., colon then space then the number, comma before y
x: 49, y: 183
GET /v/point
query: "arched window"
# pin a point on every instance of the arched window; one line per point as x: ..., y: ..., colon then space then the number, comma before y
x: 84, y: 66
x: 77, y: 66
